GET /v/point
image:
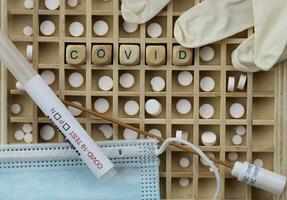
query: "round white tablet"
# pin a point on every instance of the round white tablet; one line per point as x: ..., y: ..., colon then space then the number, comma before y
x: 258, y: 162
x: 105, y: 83
x: 157, y: 84
x: 29, y: 4
x: 184, y: 162
x: 52, y: 4
x: 101, y: 28
x: 47, y: 28
x: 28, y: 138
x: 231, y: 84
x: 76, y: 29
x: 183, y: 106
x: 130, y: 27
x: 206, y: 53
x: 15, y: 108
x: 27, y: 128
x: 29, y: 52
x: 153, y: 107
x: 208, y: 138
x: 130, y: 134
x: 48, y: 76
x: 232, y: 156
x: 208, y: 154
x: 183, y: 182
x: 131, y: 107
x: 101, y: 105
x: 206, y: 111
x: 237, y: 110
x: 154, y: 30
x: 155, y: 132
x: 47, y: 132
x: 76, y: 79
x: 242, y: 82
x: 19, y: 86
x: 240, y: 130
x: 19, y: 135
x: 28, y: 31
x: 74, y: 111
x: 185, y: 78
x: 207, y: 84
x: 73, y: 3
x: 236, y: 140
x: 127, y: 80
x: 107, y: 130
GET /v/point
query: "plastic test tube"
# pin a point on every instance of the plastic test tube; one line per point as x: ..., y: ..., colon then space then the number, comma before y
x: 52, y: 107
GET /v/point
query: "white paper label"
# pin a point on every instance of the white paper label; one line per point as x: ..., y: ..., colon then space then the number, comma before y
x: 63, y: 120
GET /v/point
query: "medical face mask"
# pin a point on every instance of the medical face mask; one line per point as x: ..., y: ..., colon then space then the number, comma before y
x: 54, y: 171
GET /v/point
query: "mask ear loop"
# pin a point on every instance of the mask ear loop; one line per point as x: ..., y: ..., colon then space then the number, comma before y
x: 201, y: 154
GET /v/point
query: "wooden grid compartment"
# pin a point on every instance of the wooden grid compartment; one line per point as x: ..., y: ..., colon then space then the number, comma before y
x: 260, y: 96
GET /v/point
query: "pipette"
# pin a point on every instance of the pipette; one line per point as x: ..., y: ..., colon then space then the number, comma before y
x: 54, y: 109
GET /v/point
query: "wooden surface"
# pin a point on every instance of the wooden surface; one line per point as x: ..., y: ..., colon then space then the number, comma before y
x: 264, y: 96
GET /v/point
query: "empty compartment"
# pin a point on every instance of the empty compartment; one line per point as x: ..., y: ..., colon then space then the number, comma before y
x: 161, y: 112
x: 108, y: 33
x: 205, y: 111
x: 102, y: 5
x: 16, y: 24
x: 229, y: 49
x: 182, y: 81
x: 209, y: 128
x: 264, y: 81
x: 181, y: 162
x: 263, y: 108
x: 78, y: 79
x: 162, y: 184
x: 215, y: 75
x: 75, y: 18
x: 234, y: 189
x: 210, y: 54
x: 81, y: 100
x: 182, y: 107
x: 183, y: 191
x: 230, y: 132
x: 266, y: 157
x: 151, y: 85
x: 97, y: 75
x: 129, y: 80
x: 182, y: 5
x: 162, y: 162
x: 206, y: 188
x: 48, y: 53
x: 240, y: 112
x: 185, y: 128
x: 129, y: 110
x: 162, y: 21
x: 109, y: 110
x: 243, y: 34
x: 132, y: 30
x: 102, y: 131
x: 263, y: 136
x: 25, y: 103
x: 52, y: 18
x: 260, y: 194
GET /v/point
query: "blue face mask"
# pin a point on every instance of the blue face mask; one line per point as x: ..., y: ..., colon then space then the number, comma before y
x: 54, y: 171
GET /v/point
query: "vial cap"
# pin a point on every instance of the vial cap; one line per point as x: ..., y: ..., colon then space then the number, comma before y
x: 105, y: 83
x: 47, y: 132
x: 155, y: 132
x: 76, y: 29
x: 101, y: 105
x: 47, y: 28
x: 101, y: 28
x: 185, y: 78
x: 127, y: 80
x: 131, y: 108
x: 76, y: 79
x: 208, y: 138
x: 130, y: 27
x: 154, y: 30
x: 27, y: 128
x: 153, y: 107
x: 237, y: 110
x: 184, y: 162
x: 183, y: 182
x: 52, y: 4
x: 183, y: 106
x: 206, y: 53
x: 130, y: 134
x: 48, y: 76
x: 236, y: 140
x: 207, y: 84
x: 28, y: 138
x: 19, y: 135
x: 206, y: 111
x: 107, y: 130
x: 75, y: 111
x: 15, y: 108
x: 27, y: 31
x: 231, y: 84
x: 157, y: 84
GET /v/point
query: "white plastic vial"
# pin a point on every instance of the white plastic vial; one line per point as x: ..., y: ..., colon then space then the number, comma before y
x: 131, y: 107
x: 105, y: 83
x: 207, y: 84
x: 183, y: 106
x: 101, y: 105
x: 47, y: 28
x: 236, y: 110
x: 206, y: 111
x: 101, y: 28
x: 47, y: 132
x: 206, y: 53
x: 184, y: 162
x: 107, y: 130
x: 208, y: 138
x: 15, y: 108
x: 76, y: 29
x: 29, y: 4
x: 231, y: 84
x: 154, y: 30
x: 76, y: 79
x: 127, y: 80
x: 27, y: 31
x: 185, y: 78
x: 130, y: 27
x: 183, y: 182
x: 157, y: 84
x: 153, y: 107
x: 52, y: 4
x: 259, y: 177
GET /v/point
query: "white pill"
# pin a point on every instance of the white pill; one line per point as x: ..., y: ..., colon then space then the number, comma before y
x: 237, y: 110
x: 47, y: 132
x: 27, y: 128
x: 183, y: 106
x: 242, y: 82
x: 47, y: 28
x: 232, y: 156
x: 101, y: 105
x: 19, y: 135
x: 29, y: 4
x: 52, y: 4
x: 184, y: 162
x: 157, y: 84
x: 130, y: 134
x: 258, y: 162
x: 155, y: 132
x: 74, y: 111
x: 153, y: 107
x: 154, y: 30
x: 183, y: 182
x: 208, y: 154
x: 236, y: 140
x: 206, y: 111
x: 207, y: 84
x: 185, y: 78
x: 73, y: 3
x: 130, y: 27
x: 105, y: 83
x: 28, y: 31
x: 231, y: 84
x: 127, y: 80
x: 101, y: 28
x: 48, y: 76
x: 107, y: 130
x: 29, y: 52
x: 208, y: 138
x: 28, y: 138
x: 76, y: 79
x: 240, y: 130
x: 131, y: 108
x: 19, y: 86
x: 15, y: 108
x: 76, y: 29
x: 206, y: 53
